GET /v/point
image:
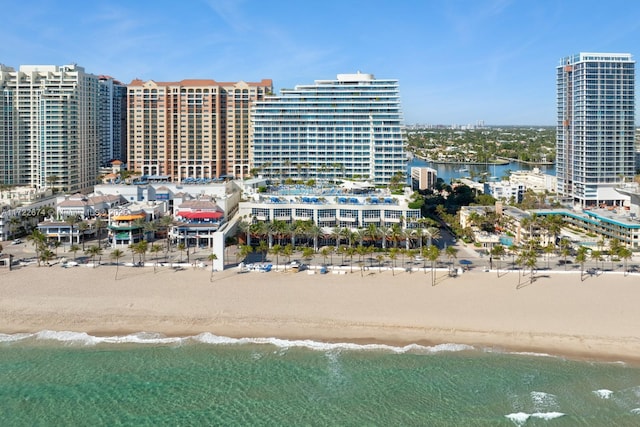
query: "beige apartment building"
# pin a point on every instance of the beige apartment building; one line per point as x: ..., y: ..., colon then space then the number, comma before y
x: 192, y: 129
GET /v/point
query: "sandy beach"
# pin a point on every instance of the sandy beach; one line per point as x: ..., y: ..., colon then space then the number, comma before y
x: 557, y: 314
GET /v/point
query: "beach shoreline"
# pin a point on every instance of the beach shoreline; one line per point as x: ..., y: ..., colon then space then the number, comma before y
x: 558, y: 314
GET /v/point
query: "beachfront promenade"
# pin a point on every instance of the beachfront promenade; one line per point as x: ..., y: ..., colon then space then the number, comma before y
x: 467, y: 258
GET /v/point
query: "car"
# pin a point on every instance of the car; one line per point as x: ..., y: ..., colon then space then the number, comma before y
x: 16, y: 242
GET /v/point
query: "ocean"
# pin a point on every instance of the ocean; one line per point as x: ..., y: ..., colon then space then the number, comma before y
x: 69, y: 379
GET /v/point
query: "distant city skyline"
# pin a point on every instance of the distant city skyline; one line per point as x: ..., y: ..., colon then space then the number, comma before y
x: 456, y: 62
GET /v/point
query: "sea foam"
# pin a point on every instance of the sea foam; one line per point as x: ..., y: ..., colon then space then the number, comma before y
x: 82, y: 338
x: 210, y: 338
x: 520, y: 418
x: 603, y: 393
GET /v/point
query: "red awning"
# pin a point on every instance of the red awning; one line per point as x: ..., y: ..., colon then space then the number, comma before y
x: 201, y: 214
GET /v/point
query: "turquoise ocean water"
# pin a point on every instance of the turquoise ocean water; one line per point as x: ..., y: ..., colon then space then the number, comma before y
x: 65, y: 379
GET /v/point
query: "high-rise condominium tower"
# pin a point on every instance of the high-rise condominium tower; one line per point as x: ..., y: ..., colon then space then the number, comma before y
x: 350, y: 127
x: 49, y: 127
x: 595, y: 126
x: 191, y: 128
x: 113, y: 120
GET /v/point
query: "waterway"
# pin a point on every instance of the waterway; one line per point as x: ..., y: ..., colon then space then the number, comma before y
x: 452, y: 171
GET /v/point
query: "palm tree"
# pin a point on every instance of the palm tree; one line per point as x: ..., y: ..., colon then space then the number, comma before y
x: 395, y: 234
x: 432, y: 254
x: 614, y: 249
x: 549, y: 248
x: 531, y: 262
x: 362, y: 252
x: 351, y: 251
x: 56, y: 244
x: 372, y: 232
x: 433, y: 233
x: 116, y: 254
x: 212, y: 257
x: 244, y: 251
x: 380, y: 258
x: 565, y: 251
x: 166, y: 222
x: 581, y: 258
x: 82, y: 227
x: 39, y: 241
x: 14, y: 224
x: 596, y: 256
x: 45, y: 256
x: 626, y: 254
x: 314, y: 232
x: 307, y: 254
x: 181, y: 247
x: 325, y: 252
x: 93, y: 251
x: 411, y: 253
x: 277, y: 251
x: 498, y: 252
x: 393, y: 254
x: 244, y: 227
x: 141, y: 249
x: 263, y: 248
x: 287, y: 252
x: 154, y: 250
x: 149, y: 227
x: 451, y: 253
x: 74, y: 248
x: 100, y: 225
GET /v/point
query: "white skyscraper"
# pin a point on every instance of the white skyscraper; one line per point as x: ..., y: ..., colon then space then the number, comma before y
x: 351, y: 127
x: 595, y: 126
x: 49, y: 127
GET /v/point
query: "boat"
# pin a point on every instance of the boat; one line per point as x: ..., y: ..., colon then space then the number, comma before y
x: 463, y: 170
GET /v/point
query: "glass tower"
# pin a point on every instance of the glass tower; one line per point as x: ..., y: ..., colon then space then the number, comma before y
x: 595, y: 126
x: 351, y: 127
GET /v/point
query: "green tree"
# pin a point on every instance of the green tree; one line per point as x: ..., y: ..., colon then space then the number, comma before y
x: 155, y: 249
x: 39, y: 241
x: 432, y: 254
x: 181, y: 247
x: 581, y: 258
x: 362, y: 252
x: 277, y: 250
x: 287, y: 252
x: 263, y: 248
x: 307, y: 254
x: 82, y: 228
x: 452, y: 253
x: 74, y: 248
x: 45, y: 256
x: 244, y: 251
x: 100, y: 225
x: 116, y: 254
x: 626, y: 254
x: 393, y: 255
x: 380, y: 259
x: 326, y: 252
x: 93, y: 251
x: 497, y: 252
x: 212, y: 257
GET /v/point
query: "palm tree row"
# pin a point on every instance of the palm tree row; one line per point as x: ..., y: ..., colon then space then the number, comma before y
x: 307, y: 232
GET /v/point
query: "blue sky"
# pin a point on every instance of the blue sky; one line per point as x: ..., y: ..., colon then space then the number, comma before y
x: 457, y: 61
